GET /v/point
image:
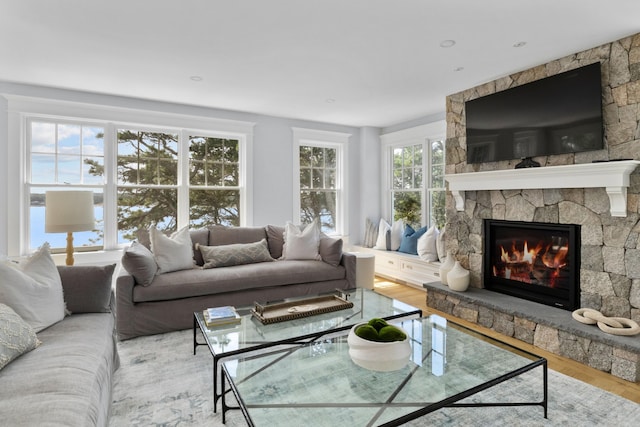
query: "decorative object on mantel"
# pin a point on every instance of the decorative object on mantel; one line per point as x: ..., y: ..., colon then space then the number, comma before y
x: 446, y: 266
x: 610, y: 325
x: 379, y: 346
x: 458, y: 278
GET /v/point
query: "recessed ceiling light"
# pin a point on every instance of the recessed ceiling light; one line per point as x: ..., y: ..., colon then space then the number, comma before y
x: 447, y: 43
x: 196, y: 78
x: 519, y: 44
x: 458, y: 69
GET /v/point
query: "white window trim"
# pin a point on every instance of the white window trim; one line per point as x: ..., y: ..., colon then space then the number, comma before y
x: 320, y: 138
x: 20, y: 108
x: 402, y: 138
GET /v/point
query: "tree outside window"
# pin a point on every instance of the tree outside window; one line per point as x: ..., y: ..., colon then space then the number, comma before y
x: 318, y: 187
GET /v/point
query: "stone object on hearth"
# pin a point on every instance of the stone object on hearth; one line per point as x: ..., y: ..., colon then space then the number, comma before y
x: 458, y: 278
x: 610, y: 325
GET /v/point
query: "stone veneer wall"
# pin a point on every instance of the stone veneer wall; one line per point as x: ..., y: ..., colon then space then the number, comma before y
x: 610, y: 264
x: 610, y: 251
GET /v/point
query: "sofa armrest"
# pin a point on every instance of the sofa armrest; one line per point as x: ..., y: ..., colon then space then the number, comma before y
x: 349, y: 262
x: 87, y: 288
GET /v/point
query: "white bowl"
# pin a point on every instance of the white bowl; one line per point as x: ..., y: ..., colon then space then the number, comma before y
x: 378, y: 356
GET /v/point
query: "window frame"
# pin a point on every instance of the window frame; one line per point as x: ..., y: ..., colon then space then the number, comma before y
x: 23, y: 110
x: 323, y: 139
x: 419, y: 135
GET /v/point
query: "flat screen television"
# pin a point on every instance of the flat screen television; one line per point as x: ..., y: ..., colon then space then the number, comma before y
x: 554, y: 115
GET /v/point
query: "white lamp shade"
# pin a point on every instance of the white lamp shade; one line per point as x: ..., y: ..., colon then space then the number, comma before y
x: 68, y: 211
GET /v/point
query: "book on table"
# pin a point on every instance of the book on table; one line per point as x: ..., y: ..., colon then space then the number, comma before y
x: 221, y: 316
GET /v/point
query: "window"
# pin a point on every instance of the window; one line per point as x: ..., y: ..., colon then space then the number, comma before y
x: 318, y: 189
x: 414, y: 172
x: 140, y: 175
x: 214, y: 179
x: 319, y: 179
x: 64, y: 156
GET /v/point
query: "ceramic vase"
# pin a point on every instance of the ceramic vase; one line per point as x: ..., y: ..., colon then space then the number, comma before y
x: 446, y: 267
x: 458, y: 278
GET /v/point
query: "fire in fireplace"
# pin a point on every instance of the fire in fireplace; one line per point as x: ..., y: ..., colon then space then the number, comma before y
x: 534, y: 261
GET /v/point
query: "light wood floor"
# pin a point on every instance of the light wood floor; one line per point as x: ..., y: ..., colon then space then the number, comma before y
x: 417, y: 298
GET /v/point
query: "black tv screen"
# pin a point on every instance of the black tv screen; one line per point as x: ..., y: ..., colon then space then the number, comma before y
x: 555, y: 115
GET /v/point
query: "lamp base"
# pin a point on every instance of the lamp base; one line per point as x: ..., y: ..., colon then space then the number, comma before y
x: 69, y: 259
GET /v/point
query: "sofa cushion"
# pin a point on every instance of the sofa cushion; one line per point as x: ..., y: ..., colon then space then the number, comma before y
x: 67, y: 380
x: 199, y: 235
x: 275, y: 239
x: 301, y: 243
x: 16, y: 336
x: 172, y: 253
x: 221, y: 235
x: 235, y: 254
x: 87, y: 288
x: 427, y: 247
x: 330, y: 249
x: 410, y: 238
x: 33, y: 289
x: 196, y: 282
x: 140, y: 263
x: 383, y: 242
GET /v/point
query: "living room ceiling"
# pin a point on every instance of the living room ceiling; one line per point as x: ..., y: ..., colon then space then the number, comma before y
x: 356, y: 62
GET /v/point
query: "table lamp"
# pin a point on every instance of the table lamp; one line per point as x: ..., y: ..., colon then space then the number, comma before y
x: 66, y: 212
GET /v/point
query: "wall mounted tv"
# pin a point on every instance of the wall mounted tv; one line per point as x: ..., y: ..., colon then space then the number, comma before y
x: 555, y: 115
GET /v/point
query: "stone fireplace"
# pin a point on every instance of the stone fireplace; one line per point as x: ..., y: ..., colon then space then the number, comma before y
x: 602, y: 198
x: 539, y: 262
x: 606, y: 205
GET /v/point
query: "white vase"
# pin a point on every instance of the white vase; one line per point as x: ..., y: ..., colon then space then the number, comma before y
x: 458, y: 278
x: 446, y: 266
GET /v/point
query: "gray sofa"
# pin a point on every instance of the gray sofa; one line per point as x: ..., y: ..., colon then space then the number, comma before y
x: 67, y: 379
x: 168, y: 302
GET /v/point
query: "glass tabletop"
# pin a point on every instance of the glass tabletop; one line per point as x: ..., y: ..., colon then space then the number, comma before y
x: 318, y: 383
x: 251, y: 334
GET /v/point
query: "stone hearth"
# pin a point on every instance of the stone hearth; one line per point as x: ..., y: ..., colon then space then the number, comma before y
x: 545, y: 327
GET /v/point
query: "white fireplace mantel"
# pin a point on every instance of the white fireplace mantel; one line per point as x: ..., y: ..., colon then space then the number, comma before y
x: 613, y: 176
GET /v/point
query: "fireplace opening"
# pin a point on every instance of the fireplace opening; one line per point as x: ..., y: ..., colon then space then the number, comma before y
x: 536, y: 261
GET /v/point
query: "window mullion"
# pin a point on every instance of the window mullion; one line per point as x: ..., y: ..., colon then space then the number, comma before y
x: 110, y: 188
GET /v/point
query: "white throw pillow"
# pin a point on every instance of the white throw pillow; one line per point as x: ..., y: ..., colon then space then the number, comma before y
x: 383, y: 232
x: 301, y: 244
x: 397, y: 230
x: 33, y: 289
x: 427, y: 249
x: 172, y: 253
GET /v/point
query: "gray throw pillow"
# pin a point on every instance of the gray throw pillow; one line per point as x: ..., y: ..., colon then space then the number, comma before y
x: 330, y: 249
x: 16, y: 336
x: 275, y: 236
x: 139, y: 262
x: 235, y: 254
x: 87, y: 288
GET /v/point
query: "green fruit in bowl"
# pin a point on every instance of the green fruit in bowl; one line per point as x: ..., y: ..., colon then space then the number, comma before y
x: 367, y: 332
x: 390, y: 333
x: 378, y: 323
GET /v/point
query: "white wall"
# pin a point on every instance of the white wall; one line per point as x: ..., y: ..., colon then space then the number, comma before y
x: 4, y: 169
x: 272, y: 144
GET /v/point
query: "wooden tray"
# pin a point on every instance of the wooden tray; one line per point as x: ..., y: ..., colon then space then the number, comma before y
x: 281, y: 312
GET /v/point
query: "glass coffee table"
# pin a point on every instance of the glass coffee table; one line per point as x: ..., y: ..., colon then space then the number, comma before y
x: 225, y: 342
x: 318, y: 384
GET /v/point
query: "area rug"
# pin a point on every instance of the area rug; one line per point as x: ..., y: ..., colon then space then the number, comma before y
x: 161, y: 383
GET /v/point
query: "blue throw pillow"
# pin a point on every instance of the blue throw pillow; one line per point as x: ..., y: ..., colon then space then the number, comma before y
x: 409, y: 244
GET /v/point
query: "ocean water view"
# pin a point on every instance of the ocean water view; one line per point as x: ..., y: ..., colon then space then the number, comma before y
x: 59, y: 240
